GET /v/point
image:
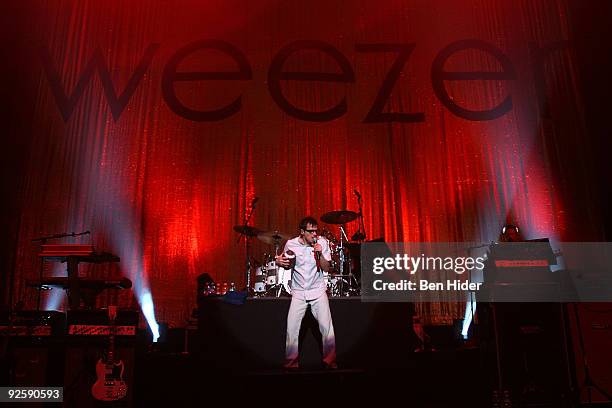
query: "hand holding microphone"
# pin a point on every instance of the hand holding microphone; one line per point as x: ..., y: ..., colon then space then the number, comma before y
x: 317, y: 249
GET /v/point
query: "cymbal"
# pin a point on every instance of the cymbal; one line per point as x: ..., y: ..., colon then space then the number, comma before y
x: 272, y: 237
x: 339, y: 217
x: 248, y: 230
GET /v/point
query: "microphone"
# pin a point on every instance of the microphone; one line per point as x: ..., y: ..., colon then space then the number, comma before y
x: 357, y: 193
x: 254, y: 202
x: 317, y: 253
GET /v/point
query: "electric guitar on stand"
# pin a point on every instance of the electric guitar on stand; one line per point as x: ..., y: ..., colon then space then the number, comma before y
x: 109, y: 385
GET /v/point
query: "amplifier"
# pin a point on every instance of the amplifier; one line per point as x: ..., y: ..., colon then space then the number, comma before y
x: 97, y: 323
x: 33, y: 323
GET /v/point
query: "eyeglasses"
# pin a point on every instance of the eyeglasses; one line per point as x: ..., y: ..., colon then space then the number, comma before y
x: 311, y: 231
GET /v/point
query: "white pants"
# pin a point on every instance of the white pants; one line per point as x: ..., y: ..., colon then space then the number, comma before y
x: 320, y: 311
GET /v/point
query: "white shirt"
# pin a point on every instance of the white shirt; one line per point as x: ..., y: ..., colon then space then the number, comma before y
x: 306, y: 282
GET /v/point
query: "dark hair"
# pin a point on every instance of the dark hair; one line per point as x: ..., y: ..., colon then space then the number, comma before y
x: 308, y: 220
x: 509, y: 226
x: 505, y: 237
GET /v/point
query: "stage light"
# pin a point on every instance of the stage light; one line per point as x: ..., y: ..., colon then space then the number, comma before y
x: 146, y: 304
x: 127, y: 241
x: 159, y: 339
x: 55, y: 297
x: 470, y: 309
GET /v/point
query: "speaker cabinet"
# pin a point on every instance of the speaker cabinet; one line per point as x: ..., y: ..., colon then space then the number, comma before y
x: 526, y: 350
x: 592, y: 322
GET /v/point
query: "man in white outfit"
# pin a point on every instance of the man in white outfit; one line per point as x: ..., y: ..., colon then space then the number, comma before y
x: 312, y: 257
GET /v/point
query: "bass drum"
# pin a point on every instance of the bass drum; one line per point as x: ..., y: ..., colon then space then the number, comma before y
x: 260, y: 281
x: 270, y: 271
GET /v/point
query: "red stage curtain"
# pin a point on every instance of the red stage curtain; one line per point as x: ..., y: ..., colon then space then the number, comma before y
x: 164, y: 192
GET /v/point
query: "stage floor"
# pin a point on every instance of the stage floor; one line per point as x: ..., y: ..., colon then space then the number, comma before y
x: 252, y: 336
x: 431, y: 379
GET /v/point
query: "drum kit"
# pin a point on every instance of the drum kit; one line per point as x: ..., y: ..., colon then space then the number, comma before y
x: 272, y: 280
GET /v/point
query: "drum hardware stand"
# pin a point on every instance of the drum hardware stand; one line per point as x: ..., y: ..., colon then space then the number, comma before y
x: 341, y: 218
x: 342, y: 260
x: 353, y: 285
x: 276, y: 290
x: 247, y: 246
x: 360, y: 235
x: 278, y: 286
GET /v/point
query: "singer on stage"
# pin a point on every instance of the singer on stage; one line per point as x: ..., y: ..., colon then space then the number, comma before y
x: 312, y: 257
